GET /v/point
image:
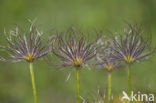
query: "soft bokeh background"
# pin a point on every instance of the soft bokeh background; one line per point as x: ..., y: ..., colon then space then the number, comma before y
x: 15, y: 83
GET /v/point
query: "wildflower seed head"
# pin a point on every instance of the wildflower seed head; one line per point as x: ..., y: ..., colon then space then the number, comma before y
x: 25, y: 46
x: 73, y: 49
x: 133, y: 46
x: 105, y: 56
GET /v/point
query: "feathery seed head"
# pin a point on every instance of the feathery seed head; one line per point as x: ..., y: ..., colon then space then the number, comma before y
x: 24, y: 45
x: 73, y: 50
x: 105, y: 56
x: 132, y: 46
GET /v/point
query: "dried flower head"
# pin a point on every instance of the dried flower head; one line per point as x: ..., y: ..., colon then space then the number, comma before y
x: 107, y: 62
x: 104, y: 56
x: 132, y: 46
x: 74, y: 51
x: 24, y: 45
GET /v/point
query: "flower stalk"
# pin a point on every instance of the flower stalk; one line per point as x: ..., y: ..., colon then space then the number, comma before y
x: 78, y: 85
x: 33, y: 82
x: 129, y: 80
x: 109, y: 87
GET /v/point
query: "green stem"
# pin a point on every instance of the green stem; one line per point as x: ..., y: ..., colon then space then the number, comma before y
x: 129, y: 80
x: 33, y: 82
x: 109, y: 87
x: 78, y: 85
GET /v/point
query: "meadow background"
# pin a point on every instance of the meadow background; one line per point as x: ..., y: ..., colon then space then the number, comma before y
x: 87, y: 15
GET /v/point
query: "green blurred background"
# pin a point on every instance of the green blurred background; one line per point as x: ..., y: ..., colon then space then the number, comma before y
x: 58, y: 15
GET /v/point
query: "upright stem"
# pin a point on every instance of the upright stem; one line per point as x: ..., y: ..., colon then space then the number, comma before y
x: 109, y: 87
x: 78, y: 85
x: 129, y: 80
x: 33, y: 82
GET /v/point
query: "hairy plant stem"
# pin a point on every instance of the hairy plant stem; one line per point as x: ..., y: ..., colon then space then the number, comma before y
x: 129, y: 80
x: 33, y: 82
x: 109, y: 87
x: 78, y: 85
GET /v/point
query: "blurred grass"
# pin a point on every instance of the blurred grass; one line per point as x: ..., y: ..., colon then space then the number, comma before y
x: 15, y: 84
